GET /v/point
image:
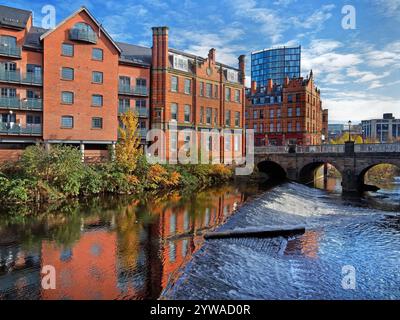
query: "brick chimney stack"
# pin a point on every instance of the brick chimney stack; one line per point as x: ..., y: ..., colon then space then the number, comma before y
x: 286, y: 82
x: 253, y: 87
x: 211, y: 56
x: 242, y: 67
x: 160, y: 47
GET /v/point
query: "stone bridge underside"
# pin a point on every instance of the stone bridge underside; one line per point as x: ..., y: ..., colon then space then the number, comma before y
x: 301, y: 167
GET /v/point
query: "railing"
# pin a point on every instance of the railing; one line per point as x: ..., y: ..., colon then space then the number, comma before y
x: 29, y: 130
x: 325, y: 148
x: 10, y: 51
x: 15, y: 103
x: 143, y: 133
x: 329, y: 148
x: 15, y: 76
x: 130, y: 90
x: 377, y: 147
x: 82, y: 35
x: 140, y: 112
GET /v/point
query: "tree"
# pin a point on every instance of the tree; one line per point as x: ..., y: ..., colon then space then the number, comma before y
x: 128, y: 147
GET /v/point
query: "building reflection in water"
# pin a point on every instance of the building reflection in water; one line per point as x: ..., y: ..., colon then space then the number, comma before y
x: 126, y: 251
x: 306, y: 245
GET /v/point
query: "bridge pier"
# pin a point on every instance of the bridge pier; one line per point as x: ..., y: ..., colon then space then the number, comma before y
x: 350, y: 182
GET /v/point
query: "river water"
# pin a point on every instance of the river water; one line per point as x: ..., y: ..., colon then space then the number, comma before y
x: 129, y: 248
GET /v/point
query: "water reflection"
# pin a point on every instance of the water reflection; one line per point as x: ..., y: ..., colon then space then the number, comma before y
x: 114, y: 248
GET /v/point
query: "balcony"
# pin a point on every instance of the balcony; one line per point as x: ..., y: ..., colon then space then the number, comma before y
x: 29, y: 78
x: 14, y: 103
x: 10, y: 51
x: 16, y: 130
x: 140, y: 112
x: 83, y: 35
x: 134, y: 91
x: 143, y: 133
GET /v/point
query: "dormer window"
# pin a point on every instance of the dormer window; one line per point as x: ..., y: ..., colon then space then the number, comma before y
x: 83, y: 32
x: 232, y: 76
x: 181, y: 63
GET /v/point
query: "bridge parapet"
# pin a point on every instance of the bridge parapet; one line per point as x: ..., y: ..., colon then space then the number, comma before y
x: 329, y: 148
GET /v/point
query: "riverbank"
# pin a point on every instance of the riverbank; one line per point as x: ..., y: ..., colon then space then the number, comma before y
x: 45, y: 176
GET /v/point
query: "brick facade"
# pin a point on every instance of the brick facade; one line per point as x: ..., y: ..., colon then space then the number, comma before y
x: 291, y: 114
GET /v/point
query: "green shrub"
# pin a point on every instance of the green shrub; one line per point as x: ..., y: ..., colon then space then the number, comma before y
x: 14, y: 190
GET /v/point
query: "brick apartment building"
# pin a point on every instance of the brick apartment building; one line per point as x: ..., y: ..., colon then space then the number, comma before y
x: 197, y: 93
x: 288, y: 114
x: 68, y: 85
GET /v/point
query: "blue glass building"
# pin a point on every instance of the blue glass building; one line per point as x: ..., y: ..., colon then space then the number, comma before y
x: 275, y: 64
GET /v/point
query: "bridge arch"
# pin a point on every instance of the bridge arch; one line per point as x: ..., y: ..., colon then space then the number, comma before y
x: 362, y: 174
x: 274, y: 170
x: 306, y: 174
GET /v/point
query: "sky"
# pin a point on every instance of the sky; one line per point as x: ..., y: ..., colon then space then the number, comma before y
x: 357, y: 70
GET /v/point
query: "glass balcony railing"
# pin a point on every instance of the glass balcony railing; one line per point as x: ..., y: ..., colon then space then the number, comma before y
x: 17, y: 104
x: 16, y: 76
x: 28, y: 130
x: 140, y: 112
x: 131, y: 90
x: 82, y: 35
x: 143, y: 133
x: 10, y: 51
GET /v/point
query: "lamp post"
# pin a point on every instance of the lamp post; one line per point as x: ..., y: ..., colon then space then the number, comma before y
x: 349, y: 130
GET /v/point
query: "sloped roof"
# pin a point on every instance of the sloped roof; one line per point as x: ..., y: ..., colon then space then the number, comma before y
x: 91, y: 17
x: 13, y: 17
x: 32, y: 39
x: 135, y: 54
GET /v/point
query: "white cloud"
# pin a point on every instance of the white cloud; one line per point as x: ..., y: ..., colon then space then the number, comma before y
x: 389, y: 8
x: 316, y: 20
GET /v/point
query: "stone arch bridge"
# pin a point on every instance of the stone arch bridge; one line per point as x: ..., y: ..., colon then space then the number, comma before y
x: 298, y: 163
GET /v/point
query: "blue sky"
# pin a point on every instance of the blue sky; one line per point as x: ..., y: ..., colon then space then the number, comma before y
x: 357, y: 70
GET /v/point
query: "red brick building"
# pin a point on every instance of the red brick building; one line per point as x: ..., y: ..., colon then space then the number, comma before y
x: 195, y: 93
x: 67, y: 84
x: 291, y: 114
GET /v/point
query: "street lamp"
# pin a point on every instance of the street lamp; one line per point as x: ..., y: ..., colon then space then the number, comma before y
x: 349, y: 130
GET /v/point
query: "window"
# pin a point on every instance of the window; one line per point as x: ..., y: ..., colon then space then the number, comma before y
x: 271, y: 113
x: 174, y: 84
x: 97, y: 100
x: 187, y: 113
x: 174, y: 111
x: 141, y: 103
x: 8, y: 92
x: 181, y: 63
x: 290, y: 98
x: 67, y: 49
x: 237, y: 95
x: 208, y: 90
x: 298, y: 111
x: 67, y: 122
x: 33, y: 119
x: 255, y: 114
x: 216, y: 117
x: 237, y: 119
x: 97, y: 54
x: 8, y: 41
x: 289, y: 112
x: 255, y: 127
x: 278, y: 127
x: 97, y: 77
x: 97, y: 123
x: 140, y: 82
x: 278, y: 113
x: 228, y: 118
x: 208, y: 115
x: 298, y: 127
x: 201, y: 114
x: 216, y: 91
x: 67, y: 97
x: 289, y: 127
x: 67, y: 73
x: 188, y: 86
x: 232, y: 76
x: 228, y: 94
x: 271, y: 127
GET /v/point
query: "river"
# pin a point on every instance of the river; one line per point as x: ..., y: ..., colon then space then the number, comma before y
x: 130, y: 248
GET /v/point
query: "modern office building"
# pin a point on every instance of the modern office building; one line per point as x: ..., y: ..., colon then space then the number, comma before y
x: 382, y: 130
x: 69, y: 84
x: 197, y: 93
x: 291, y: 114
x: 275, y: 64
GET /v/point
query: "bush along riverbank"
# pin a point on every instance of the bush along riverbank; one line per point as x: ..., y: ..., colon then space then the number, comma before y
x: 45, y: 175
